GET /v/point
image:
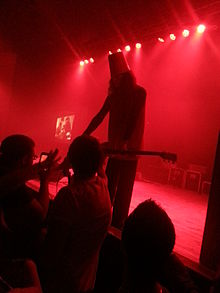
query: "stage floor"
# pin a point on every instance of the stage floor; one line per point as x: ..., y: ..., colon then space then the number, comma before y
x: 187, y: 210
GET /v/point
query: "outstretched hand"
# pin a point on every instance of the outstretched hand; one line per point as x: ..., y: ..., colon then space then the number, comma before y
x: 49, y: 166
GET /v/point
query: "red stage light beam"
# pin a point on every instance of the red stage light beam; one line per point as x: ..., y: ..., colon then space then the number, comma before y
x: 185, y: 33
x: 138, y: 45
x: 161, y: 40
x: 172, y: 37
x: 201, y: 28
x: 127, y: 48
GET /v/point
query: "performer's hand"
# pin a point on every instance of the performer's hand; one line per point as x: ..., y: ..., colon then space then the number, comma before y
x: 105, y: 147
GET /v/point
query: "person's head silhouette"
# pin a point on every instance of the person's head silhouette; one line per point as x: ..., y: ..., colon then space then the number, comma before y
x: 148, y: 238
x: 17, y: 151
x: 85, y: 156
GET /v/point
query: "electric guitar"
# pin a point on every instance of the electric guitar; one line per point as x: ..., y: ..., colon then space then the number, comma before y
x: 171, y: 157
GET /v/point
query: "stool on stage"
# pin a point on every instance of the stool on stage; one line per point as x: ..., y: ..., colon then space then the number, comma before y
x: 194, y: 175
x: 176, y: 176
x: 205, y: 186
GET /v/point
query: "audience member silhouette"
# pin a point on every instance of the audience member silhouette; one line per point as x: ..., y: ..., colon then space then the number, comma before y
x: 23, y: 210
x: 148, y: 239
x: 77, y: 223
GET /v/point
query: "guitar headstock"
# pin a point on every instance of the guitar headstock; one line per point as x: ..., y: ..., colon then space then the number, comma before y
x: 171, y: 157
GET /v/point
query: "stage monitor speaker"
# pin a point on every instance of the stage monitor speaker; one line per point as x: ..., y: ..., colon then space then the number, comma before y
x: 210, y: 251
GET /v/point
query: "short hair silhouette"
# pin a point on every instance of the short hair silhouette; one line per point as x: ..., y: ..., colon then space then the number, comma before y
x: 85, y: 155
x: 15, y: 147
x: 148, y: 238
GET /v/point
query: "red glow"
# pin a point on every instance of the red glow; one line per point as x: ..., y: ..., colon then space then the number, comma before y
x: 172, y: 37
x: 127, y: 48
x: 81, y: 63
x: 91, y: 60
x: 161, y: 40
x: 185, y: 33
x: 201, y: 28
x: 138, y: 45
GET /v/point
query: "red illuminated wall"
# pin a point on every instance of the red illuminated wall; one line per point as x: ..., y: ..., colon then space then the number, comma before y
x: 183, y: 106
x: 7, y: 69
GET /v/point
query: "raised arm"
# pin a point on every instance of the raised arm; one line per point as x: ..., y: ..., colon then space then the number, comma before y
x: 45, y: 170
x: 98, y: 118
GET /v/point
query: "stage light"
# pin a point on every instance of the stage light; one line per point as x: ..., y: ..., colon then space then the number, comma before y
x: 81, y: 63
x: 138, y: 45
x: 86, y: 61
x: 119, y: 50
x: 127, y: 48
x: 201, y: 28
x: 110, y: 52
x: 185, y: 33
x: 172, y: 37
x: 91, y: 60
x: 161, y: 40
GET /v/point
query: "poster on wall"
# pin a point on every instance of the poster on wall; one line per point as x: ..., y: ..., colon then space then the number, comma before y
x: 64, y: 127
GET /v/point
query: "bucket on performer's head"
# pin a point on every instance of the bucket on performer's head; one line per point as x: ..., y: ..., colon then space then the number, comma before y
x: 117, y: 64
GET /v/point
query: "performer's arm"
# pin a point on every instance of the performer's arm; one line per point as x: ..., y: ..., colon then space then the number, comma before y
x: 97, y: 120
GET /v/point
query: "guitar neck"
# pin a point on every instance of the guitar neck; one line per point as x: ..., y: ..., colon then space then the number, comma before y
x: 132, y: 152
x: 164, y: 155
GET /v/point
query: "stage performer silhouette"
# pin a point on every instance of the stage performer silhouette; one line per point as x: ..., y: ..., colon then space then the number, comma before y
x: 125, y: 104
